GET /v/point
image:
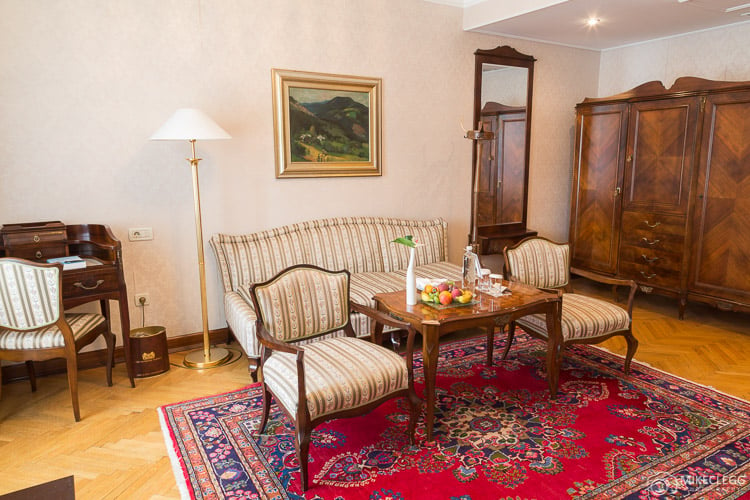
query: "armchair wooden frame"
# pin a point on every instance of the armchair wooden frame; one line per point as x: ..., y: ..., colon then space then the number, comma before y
x: 558, y: 343
x: 71, y: 345
x: 303, y: 422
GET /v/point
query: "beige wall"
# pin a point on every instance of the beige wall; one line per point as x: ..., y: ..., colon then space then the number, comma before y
x: 718, y: 54
x: 85, y: 82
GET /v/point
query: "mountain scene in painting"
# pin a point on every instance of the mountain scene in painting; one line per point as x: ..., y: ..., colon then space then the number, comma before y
x: 330, y: 130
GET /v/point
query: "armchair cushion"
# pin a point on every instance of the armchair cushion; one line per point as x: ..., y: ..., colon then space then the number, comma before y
x: 49, y: 336
x: 540, y: 263
x: 582, y: 318
x: 333, y: 378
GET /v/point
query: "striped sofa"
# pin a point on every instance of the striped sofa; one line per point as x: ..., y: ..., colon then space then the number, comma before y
x: 362, y: 245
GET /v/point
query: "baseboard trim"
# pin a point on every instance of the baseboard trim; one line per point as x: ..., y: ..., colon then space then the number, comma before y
x: 94, y: 359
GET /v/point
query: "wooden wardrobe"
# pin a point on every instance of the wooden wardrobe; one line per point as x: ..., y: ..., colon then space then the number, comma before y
x: 661, y: 190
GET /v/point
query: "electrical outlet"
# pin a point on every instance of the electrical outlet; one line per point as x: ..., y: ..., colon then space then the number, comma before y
x: 140, y: 234
x: 142, y: 299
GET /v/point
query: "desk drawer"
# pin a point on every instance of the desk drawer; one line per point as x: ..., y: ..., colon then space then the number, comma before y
x: 42, y: 237
x: 37, y: 253
x: 81, y: 282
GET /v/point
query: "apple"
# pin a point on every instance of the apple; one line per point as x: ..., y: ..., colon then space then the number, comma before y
x: 443, y: 287
x: 445, y: 297
x: 456, y: 292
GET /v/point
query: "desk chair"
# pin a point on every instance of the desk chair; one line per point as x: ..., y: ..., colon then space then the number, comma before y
x: 34, y: 326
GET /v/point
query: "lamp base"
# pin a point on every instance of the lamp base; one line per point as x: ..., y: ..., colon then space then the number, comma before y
x: 217, y: 356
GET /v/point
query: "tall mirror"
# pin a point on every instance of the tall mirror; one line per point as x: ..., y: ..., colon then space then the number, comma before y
x: 503, y: 81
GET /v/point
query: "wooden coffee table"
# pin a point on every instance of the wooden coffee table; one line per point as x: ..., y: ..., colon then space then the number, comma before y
x: 488, y: 312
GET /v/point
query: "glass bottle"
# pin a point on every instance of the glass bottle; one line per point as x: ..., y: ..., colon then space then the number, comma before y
x: 470, y: 270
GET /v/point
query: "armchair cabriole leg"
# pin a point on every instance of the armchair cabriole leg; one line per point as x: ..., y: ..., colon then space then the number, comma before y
x: 632, y: 347
x: 266, y: 410
x: 303, y: 452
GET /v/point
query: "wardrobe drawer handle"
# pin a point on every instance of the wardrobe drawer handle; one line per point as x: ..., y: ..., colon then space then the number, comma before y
x: 652, y: 225
x: 647, y: 242
x: 648, y: 276
x: 38, y: 254
x: 84, y: 287
x: 649, y: 259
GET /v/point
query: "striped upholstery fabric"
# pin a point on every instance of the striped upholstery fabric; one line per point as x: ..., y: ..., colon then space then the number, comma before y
x: 358, y: 244
x: 540, y: 263
x: 29, y: 295
x: 49, y: 336
x: 334, y: 379
x: 304, y: 302
x: 582, y: 318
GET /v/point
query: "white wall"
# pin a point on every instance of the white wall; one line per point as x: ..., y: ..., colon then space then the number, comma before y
x: 83, y: 83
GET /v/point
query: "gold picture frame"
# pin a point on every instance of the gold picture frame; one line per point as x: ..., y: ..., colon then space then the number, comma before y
x: 326, y: 125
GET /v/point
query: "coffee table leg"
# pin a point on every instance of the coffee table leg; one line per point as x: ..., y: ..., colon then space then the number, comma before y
x: 491, y: 342
x: 430, y: 352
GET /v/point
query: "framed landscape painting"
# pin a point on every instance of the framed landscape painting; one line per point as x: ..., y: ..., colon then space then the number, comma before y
x: 326, y: 125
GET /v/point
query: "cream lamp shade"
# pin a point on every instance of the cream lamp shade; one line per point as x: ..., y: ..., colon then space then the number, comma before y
x: 189, y: 124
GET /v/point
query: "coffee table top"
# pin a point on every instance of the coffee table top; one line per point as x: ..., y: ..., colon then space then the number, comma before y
x: 521, y: 298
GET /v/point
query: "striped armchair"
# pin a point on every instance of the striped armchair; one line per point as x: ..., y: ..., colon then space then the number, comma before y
x: 326, y: 377
x: 34, y: 327
x: 545, y: 264
x: 361, y: 245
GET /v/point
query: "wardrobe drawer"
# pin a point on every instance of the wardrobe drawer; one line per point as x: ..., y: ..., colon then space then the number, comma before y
x: 648, y: 223
x: 657, y: 259
x: 649, y: 274
x: 653, y: 231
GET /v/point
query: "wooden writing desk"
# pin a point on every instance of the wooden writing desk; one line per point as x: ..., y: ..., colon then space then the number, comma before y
x: 101, y: 283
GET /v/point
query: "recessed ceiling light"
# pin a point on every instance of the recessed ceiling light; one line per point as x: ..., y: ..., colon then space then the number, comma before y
x: 593, y: 21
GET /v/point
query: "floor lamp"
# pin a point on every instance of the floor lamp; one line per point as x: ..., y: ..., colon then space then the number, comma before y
x: 189, y: 124
x: 478, y: 136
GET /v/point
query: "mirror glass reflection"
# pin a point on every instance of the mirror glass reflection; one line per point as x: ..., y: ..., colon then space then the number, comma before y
x: 502, y: 173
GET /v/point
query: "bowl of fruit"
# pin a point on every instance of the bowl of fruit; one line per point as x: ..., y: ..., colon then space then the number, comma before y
x: 445, y: 293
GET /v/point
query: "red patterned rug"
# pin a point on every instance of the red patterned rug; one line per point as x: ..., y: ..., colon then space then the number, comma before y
x: 498, y: 435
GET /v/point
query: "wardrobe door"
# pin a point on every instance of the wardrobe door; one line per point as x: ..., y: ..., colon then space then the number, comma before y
x: 661, y: 147
x: 597, y: 184
x: 721, y: 234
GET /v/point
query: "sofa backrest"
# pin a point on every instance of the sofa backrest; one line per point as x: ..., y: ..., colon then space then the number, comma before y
x: 358, y: 244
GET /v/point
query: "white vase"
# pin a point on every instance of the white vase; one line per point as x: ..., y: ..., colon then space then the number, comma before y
x: 411, y: 281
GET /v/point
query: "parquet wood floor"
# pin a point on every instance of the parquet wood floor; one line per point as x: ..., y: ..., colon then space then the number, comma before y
x: 117, y: 450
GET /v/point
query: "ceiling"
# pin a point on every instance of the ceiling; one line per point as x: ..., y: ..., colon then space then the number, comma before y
x: 621, y: 22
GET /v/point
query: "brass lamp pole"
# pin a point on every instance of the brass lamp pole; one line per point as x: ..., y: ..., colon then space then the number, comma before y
x: 191, y: 124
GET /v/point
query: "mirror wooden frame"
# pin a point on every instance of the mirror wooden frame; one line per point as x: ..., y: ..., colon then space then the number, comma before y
x: 505, y: 56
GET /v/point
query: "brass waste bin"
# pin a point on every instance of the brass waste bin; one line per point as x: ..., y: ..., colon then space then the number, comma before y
x: 148, y: 348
